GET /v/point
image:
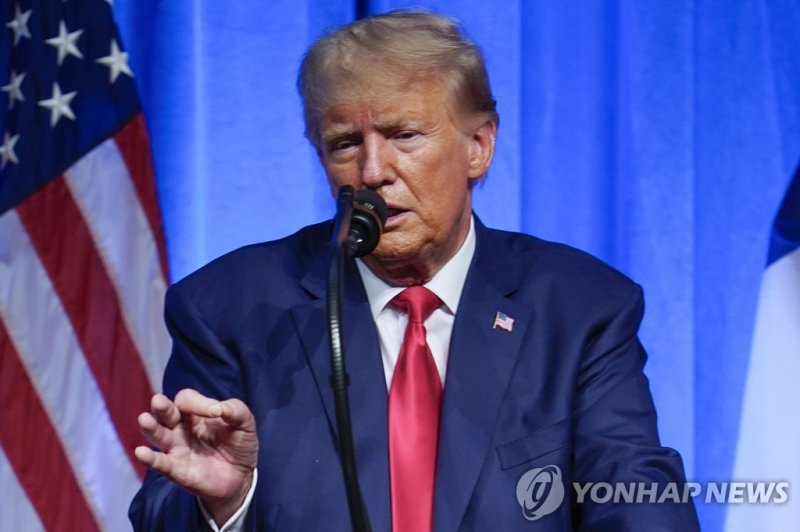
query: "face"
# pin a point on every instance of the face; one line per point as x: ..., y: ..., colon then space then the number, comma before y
x: 413, y: 150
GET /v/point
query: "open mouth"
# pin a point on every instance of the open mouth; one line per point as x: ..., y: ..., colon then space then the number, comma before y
x: 393, y: 214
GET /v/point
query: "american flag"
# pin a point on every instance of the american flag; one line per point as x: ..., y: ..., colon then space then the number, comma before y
x: 82, y: 269
x: 503, y: 321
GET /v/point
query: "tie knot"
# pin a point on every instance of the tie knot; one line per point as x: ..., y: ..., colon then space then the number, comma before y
x: 418, y: 302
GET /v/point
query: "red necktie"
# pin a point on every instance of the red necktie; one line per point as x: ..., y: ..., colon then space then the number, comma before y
x: 414, y: 401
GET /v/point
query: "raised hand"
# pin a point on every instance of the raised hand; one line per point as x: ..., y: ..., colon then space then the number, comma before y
x: 207, y: 446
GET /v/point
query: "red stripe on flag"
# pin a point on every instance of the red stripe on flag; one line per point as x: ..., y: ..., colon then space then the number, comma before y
x: 134, y: 145
x: 67, y: 251
x: 34, y: 449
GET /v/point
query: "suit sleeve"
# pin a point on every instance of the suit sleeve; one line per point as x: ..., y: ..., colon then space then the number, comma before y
x: 616, y: 437
x: 199, y: 361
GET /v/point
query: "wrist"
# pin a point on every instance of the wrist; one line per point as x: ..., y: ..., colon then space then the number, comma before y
x: 222, y: 509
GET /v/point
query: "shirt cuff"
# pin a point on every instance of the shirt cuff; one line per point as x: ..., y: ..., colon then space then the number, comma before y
x: 236, y: 522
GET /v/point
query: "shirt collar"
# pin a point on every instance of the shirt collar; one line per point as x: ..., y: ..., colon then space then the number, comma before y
x: 447, y: 284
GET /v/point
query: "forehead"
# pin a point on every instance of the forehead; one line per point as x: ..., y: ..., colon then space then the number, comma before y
x: 382, y: 105
x: 378, y: 114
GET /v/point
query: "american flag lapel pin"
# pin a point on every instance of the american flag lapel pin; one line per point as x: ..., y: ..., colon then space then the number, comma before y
x: 503, y: 321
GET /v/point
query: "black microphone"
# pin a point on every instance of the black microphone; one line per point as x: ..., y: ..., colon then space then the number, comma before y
x: 366, y: 223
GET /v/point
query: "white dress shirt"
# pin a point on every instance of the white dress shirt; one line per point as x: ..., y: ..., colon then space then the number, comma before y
x: 447, y: 284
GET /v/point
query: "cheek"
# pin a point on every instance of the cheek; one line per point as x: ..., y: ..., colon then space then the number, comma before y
x: 337, y: 176
x: 450, y: 197
x: 333, y: 184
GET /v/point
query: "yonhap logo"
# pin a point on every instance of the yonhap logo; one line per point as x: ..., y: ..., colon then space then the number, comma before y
x: 540, y: 492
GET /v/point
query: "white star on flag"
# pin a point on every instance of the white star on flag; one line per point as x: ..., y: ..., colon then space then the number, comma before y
x: 116, y: 61
x: 7, y: 150
x: 59, y: 105
x: 20, y: 24
x: 14, y: 88
x: 66, y: 42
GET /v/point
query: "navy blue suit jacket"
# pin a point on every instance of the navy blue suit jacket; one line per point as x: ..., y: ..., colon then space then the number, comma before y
x: 565, y: 387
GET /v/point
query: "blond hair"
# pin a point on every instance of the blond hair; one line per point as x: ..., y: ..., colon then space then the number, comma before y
x: 394, y: 51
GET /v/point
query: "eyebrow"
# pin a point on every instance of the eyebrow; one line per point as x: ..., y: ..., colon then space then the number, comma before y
x: 342, y: 130
x: 339, y: 129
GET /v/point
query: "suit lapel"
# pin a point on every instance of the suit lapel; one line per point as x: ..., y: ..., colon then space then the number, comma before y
x: 367, y: 390
x: 480, y: 364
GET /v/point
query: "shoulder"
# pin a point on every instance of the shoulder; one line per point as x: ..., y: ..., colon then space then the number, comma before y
x: 537, y: 257
x: 286, y: 253
x: 556, y: 274
x: 237, y: 275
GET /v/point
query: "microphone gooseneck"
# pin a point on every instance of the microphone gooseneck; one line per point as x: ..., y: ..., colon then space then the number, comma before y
x: 356, y: 230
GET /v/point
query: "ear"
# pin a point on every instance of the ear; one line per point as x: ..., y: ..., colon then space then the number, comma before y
x: 481, y: 149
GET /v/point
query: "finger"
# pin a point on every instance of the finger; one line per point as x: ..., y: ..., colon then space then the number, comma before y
x: 164, y: 410
x: 191, y: 401
x: 155, y: 460
x: 237, y: 415
x: 145, y: 455
x: 156, y: 433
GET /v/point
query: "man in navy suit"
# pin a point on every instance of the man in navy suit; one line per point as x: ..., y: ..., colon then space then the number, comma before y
x: 532, y: 346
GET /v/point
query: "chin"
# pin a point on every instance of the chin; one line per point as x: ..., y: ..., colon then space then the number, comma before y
x: 394, y: 248
x: 391, y: 253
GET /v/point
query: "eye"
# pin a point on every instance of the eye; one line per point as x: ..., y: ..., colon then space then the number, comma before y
x: 406, y: 135
x: 340, y: 145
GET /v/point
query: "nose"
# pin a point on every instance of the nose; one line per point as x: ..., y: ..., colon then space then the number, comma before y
x: 377, y: 162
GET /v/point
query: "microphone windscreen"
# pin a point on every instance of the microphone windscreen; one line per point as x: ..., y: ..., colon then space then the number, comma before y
x: 372, y: 201
x: 366, y: 223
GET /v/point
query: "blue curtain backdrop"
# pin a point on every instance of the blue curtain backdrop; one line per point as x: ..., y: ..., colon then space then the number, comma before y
x: 659, y: 136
